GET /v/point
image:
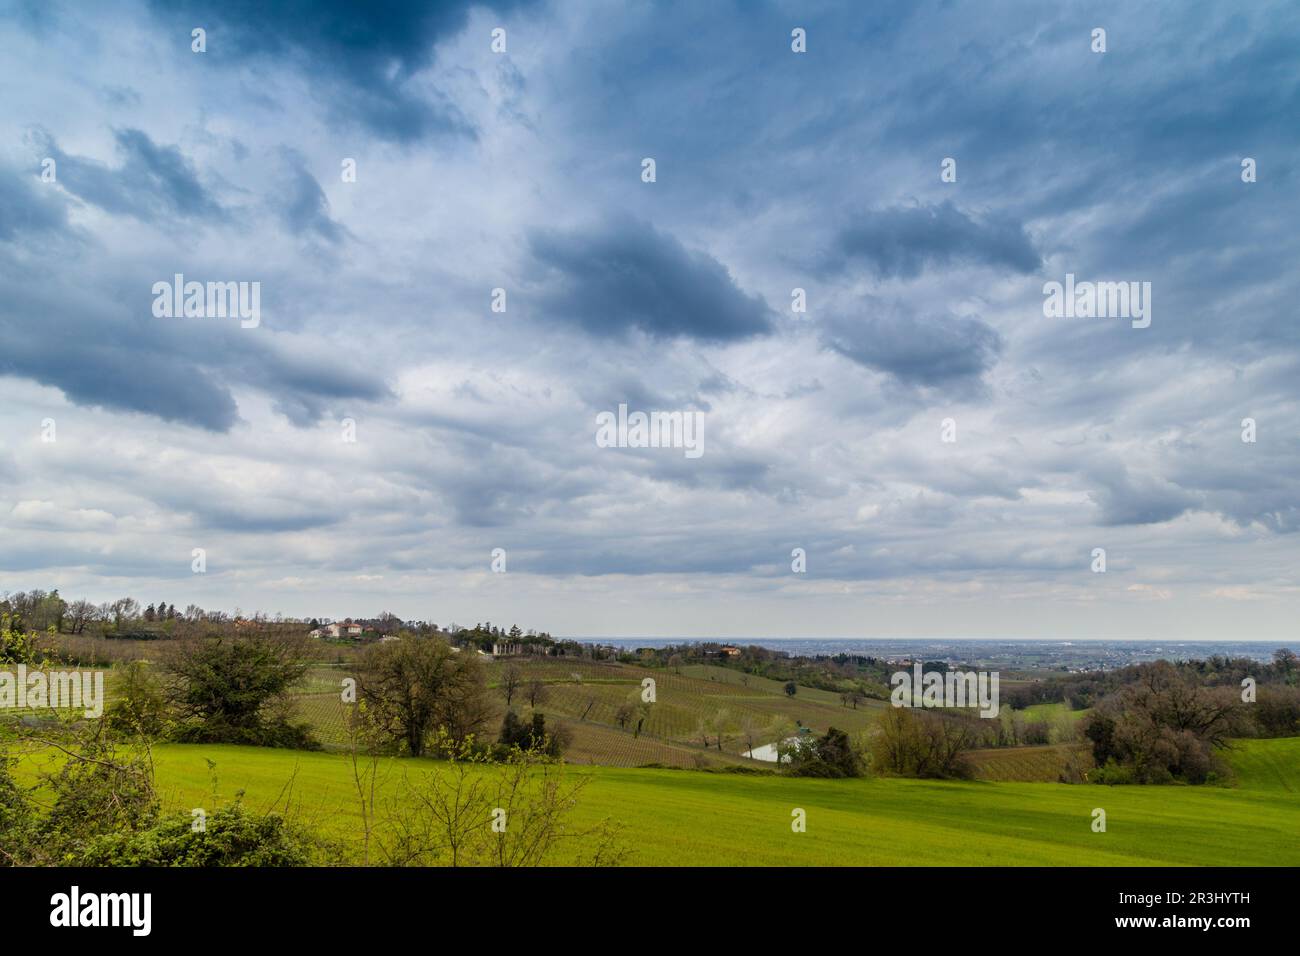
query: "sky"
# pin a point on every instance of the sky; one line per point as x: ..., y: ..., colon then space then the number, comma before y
x: 947, y: 454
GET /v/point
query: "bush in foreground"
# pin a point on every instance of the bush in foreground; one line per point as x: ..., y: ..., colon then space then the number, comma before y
x: 230, y: 836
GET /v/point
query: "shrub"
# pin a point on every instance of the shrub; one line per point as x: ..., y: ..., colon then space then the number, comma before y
x: 531, y: 736
x: 141, y: 707
x: 230, y: 836
x: 832, y: 755
x: 237, y: 690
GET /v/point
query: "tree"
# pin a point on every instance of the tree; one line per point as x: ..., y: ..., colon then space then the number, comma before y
x: 532, y: 737
x: 623, y: 716
x: 791, y: 688
x: 1164, y: 725
x: 415, y: 686
x: 924, y: 743
x: 512, y: 679
x: 537, y: 692
x: 237, y: 689
x: 1285, y: 661
x: 641, y: 708
x: 80, y: 613
x: 721, y: 724
x: 750, y: 728
x: 832, y: 755
x: 779, y: 731
x: 514, y: 732
x: 702, y: 731
x: 123, y: 610
x: 18, y: 646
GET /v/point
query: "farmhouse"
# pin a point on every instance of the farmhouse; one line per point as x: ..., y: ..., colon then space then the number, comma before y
x: 337, y: 630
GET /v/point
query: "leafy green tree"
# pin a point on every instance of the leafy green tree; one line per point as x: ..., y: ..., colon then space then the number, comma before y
x: 238, y: 689
x: 415, y: 686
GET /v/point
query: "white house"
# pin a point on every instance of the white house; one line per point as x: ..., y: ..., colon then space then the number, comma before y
x: 769, y: 753
x: 337, y: 630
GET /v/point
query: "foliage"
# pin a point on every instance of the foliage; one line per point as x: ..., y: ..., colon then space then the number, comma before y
x: 416, y: 688
x: 532, y: 736
x: 925, y: 743
x: 141, y: 706
x: 230, y: 836
x: 237, y: 689
x: 100, y: 808
x: 831, y: 755
x: 512, y: 813
x: 1163, y: 727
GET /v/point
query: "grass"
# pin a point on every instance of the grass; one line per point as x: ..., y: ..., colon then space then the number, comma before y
x: 1050, y: 712
x: 1267, y: 765
x: 682, y: 817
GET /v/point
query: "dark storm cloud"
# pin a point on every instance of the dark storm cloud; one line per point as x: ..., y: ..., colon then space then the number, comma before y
x: 106, y: 374
x: 903, y: 241
x: 181, y: 370
x: 624, y: 274
x: 360, y: 57
x: 1128, y: 499
x: 303, y: 207
x: 154, y: 183
x: 28, y: 206
x: 930, y: 350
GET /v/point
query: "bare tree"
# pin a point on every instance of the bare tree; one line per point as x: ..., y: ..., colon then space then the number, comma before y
x: 512, y: 678
x: 536, y: 692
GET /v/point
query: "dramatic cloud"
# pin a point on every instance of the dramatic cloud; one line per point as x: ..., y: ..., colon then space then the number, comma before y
x: 364, y: 61
x: 624, y: 274
x: 154, y: 183
x: 901, y: 242
x: 26, y: 208
x: 863, y: 339
x: 931, y: 351
x: 304, y: 207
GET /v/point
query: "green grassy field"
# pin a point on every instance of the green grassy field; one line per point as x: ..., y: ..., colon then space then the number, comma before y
x: 681, y: 817
x: 1267, y: 765
x: 1052, y: 712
